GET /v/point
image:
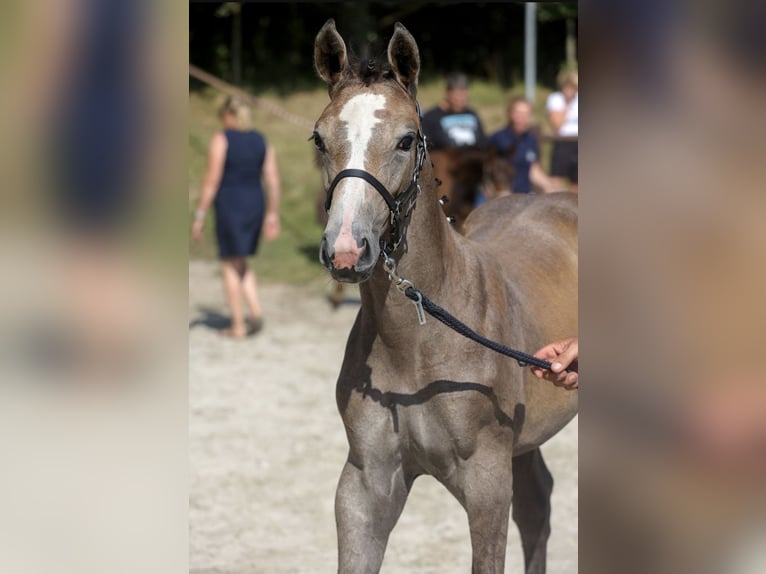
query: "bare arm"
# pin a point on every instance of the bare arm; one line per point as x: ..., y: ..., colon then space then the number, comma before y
x: 216, y: 159
x: 274, y: 189
x: 540, y: 179
x: 48, y: 45
x: 557, y: 107
x: 556, y: 118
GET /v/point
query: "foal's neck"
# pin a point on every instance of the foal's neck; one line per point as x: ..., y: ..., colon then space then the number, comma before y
x: 429, y: 255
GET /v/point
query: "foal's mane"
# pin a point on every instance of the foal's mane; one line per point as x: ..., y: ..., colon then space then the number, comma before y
x: 368, y: 70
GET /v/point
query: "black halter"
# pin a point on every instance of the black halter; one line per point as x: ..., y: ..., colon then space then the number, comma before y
x: 405, y: 200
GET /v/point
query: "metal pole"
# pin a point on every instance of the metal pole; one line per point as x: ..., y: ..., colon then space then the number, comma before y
x: 236, y: 45
x: 530, y: 51
x: 571, y: 44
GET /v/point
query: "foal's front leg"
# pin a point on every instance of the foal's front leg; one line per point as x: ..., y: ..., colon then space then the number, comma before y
x: 487, y: 483
x: 368, y: 503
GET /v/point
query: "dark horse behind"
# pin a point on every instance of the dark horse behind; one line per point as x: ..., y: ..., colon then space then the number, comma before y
x: 465, y: 174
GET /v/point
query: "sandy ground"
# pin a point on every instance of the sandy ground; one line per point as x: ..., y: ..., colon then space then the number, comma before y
x: 267, y: 446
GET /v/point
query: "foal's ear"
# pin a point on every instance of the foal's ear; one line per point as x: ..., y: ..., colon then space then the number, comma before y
x: 404, y: 58
x: 330, y: 54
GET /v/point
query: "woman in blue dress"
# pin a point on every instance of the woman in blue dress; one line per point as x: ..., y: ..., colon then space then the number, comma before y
x: 238, y: 158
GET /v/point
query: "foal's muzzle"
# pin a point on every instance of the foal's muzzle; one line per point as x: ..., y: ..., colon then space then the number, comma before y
x: 352, y: 266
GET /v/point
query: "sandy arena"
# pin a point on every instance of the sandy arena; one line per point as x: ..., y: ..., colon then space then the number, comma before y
x: 266, y: 447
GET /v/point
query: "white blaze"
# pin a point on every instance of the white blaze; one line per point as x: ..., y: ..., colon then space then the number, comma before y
x: 359, y: 117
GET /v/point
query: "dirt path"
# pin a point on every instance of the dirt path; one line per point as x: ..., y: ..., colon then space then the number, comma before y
x: 266, y: 447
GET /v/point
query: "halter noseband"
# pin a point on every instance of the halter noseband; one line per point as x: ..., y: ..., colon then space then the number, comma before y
x: 395, y: 203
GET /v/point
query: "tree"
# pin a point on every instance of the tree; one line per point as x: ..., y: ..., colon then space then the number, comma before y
x: 234, y: 10
x: 552, y: 11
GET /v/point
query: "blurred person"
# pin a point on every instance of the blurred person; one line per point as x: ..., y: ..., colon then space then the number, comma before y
x: 452, y: 123
x: 519, y: 145
x: 100, y: 119
x: 562, y: 354
x: 90, y: 108
x: 238, y: 159
x: 724, y: 423
x: 94, y: 356
x: 673, y: 299
x: 562, y: 115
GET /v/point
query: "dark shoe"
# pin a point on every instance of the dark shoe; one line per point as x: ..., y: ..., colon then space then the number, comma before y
x: 254, y: 325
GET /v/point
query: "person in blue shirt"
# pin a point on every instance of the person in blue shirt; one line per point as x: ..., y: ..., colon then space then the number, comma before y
x: 519, y: 144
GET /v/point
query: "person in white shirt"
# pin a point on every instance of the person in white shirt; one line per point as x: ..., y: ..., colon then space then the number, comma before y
x: 562, y: 115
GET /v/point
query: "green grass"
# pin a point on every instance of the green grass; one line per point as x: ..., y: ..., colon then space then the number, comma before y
x: 292, y: 257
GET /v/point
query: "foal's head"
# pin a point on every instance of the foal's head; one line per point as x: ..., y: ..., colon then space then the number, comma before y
x: 370, y: 124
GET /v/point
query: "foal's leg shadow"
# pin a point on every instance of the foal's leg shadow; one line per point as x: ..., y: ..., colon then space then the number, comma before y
x: 531, y: 508
x: 210, y: 318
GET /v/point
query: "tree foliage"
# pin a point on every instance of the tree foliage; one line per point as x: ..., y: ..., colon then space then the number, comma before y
x: 552, y: 11
x: 486, y: 40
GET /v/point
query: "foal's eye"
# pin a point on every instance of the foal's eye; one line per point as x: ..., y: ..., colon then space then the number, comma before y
x: 406, y: 143
x: 317, y: 141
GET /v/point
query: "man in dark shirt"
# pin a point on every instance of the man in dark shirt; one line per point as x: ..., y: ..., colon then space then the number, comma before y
x: 455, y: 135
x: 519, y: 144
x: 452, y: 123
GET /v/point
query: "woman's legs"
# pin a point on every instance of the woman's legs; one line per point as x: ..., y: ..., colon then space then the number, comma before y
x: 564, y: 161
x: 233, y: 269
x: 250, y: 288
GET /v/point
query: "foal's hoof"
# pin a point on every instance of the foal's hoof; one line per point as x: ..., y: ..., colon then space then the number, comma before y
x: 337, y: 296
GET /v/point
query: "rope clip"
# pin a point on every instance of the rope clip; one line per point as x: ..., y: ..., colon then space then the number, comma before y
x: 402, y: 285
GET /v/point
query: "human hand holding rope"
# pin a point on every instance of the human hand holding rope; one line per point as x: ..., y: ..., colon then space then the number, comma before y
x: 562, y: 354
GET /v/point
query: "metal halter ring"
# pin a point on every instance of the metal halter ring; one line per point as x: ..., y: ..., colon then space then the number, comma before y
x: 390, y: 267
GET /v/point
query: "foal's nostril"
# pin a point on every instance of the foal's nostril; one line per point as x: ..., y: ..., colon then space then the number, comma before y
x: 366, y: 254
x: 325, y: 255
